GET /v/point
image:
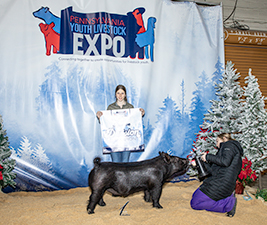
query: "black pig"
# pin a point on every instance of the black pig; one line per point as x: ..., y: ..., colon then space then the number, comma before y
x: 123, y: 179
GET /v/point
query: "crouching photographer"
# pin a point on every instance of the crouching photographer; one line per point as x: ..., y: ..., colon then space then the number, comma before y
x: 216, y: 193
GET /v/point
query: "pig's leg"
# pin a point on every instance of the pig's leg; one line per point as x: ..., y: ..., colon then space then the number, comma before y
x: 147, y: 196
x: 95, y: 197
x: 155, y: 194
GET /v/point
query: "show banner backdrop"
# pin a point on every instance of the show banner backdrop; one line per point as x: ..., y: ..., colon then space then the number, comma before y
x: 62, y: 60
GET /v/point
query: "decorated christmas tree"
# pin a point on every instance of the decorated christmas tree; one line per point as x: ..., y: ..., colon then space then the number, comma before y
x: 6, y: 164
x: 253, y: 127
x: 224, y: 114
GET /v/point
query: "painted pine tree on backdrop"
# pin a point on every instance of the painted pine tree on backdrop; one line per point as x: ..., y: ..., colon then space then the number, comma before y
x: 253, y: 127
x: 168, y: 119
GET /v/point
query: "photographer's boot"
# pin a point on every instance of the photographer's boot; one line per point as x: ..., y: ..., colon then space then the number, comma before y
x: 232, y: 212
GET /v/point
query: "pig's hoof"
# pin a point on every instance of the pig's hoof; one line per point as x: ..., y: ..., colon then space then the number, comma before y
x: 101, y: 203
x: 157, y: 206
x: 90, y: 211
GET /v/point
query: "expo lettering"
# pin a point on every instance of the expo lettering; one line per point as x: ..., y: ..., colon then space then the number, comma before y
x: 107, y: 43
x: 110, y: 32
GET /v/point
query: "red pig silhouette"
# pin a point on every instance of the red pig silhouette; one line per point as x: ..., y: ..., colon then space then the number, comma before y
x: 51, y: 37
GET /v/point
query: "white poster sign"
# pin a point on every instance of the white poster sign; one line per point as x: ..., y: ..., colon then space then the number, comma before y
x: 122, y: 130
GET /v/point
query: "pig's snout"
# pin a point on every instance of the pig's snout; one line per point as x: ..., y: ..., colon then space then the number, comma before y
x: 185, y: 163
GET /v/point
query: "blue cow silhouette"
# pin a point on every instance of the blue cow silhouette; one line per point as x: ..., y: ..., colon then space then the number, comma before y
x: 44, y: 14
x: 147, y: 38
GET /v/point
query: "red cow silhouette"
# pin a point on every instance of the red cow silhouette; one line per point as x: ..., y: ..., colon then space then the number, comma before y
x: 51, y: 37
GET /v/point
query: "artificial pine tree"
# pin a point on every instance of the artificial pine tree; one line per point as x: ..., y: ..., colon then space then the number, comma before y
x: 253, y: 127
x: 224, y: 114
x: 6, y: 164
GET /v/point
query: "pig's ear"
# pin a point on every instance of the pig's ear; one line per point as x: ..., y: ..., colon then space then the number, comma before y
x: 166, y: 158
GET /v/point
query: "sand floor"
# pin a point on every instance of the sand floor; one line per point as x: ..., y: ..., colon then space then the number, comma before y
x: 69, y: 207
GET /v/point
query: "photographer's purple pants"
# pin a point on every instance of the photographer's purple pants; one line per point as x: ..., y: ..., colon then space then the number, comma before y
x: 201, y: 201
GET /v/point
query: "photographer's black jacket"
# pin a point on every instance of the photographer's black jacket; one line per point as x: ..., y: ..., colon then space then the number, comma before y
x: 224, y: 168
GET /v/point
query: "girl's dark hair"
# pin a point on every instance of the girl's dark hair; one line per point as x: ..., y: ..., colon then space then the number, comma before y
x: 120, y: 86
x: 226, y: 135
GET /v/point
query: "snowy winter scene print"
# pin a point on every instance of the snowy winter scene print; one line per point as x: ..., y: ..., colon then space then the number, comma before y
x: 49, y: 102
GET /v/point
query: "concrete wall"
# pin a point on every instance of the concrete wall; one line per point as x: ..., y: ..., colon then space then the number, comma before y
x: 252, y: 13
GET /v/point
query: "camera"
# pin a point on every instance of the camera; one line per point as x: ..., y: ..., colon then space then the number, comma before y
x: 200, y: 166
